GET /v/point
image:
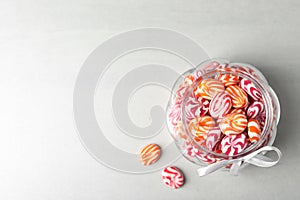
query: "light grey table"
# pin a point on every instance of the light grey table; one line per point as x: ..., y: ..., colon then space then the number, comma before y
x: 43, y: 45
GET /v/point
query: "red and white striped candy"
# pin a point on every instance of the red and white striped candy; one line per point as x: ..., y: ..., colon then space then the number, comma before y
x: 213, y: 136
x: 174, y: 115
x: 238, y: 96
x: 208, y: 88
x: 192, y: 151
x: 250, y: 88
x: 195, y: 107
x: 255, y: 109
x: 149, y: 154
x: 220, y: 105
x: 229, y: 79
x: 188, y: 80
x: 233, y: 144
x: 233, y: 124
x: 200, y: 126
x: 180, y: 93
x: 253, y: 130
x: 172, y: 177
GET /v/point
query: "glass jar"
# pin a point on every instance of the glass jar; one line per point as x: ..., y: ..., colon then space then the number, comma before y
x: 178, y: 116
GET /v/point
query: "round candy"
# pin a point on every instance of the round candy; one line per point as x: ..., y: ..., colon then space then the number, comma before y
x: 237, y: 111
x: 192, y: 151
x: 200, y: 126
x: 238, y: 96
x: 180, y: 93
x: 250, y: 88
x: 149, y: 154
x: 208, y: 88
x: 229, y: 79
x: 255, y: 109
x: 172, y: 177
x: 220, y: 105
x: 253, y: 130
x: 213, y: 137
x: 174, y: 115
x: 233, y: 144
x: 233, y: 124
x: 195, y: 107
x: 189, y: 79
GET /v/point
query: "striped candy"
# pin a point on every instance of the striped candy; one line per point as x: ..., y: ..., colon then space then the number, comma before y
x: 229, y: 79
x: 195, y: 107
x: 172, y: 177
x: 253, y: 130
x: 238, y: 96
x: 200, y: 126
x: 180, y: 93
x: 220, y: 105
x: 174, y: 115
x: 188, y: 80
x: 250, y: 88
x: 255, y: 109
x: 233, y: 144
x: 192, y: 151
x: 233, y: 124
x: 208, y: 88
x: 237, y: 111
x: 149, y: 154
x: 213, y: 137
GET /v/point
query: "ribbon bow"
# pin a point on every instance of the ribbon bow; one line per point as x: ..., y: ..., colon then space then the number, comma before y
x: 253, y: 158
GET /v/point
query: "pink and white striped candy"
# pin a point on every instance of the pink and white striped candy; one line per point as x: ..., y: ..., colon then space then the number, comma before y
x: 172, y: 177
x: 255, y: 109
x: 174, y: 115
x: 250, y: 88
x: 220, y: 105
x: 180, y: 93
x: 213, y: 136
x: 233, y: 144
x: 192, y: 151
x: 195, y: 107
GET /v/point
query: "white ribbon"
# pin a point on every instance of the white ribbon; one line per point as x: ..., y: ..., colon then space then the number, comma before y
x: 253, y: 158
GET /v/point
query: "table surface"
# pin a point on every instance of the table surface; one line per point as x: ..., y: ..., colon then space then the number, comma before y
x: 43, y: 45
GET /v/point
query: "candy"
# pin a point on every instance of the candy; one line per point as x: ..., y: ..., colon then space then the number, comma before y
x: 237, y: 111
x: 233, y: 124
x: 233, y: 144
x: 200, y: 126
x: 255, y: 109
x: 220, y: 105
x: 261, y: 119
x: 253, y: 130
x: 174, y: 115
x: 195, y: 107
x: 213, y: 137
x: 229, y: 79
x: 238, y: 96
x: 211, y: 66
x: 180, y: 93
x: 188, y: 80
x: 149, y: 154
x: 192, y: 151
x: 172, y: 177
x: 208, y: 88
x: 250, y: 88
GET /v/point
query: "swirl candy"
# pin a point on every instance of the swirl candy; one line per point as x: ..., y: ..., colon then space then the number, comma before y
x: 200, y: 126
x: 174, y: 115
x: 195, y: 107
x: 229, y: 79
x: 250, y: 88
x: 213, y: 137
x: 172, y: 177
x: 233, y: 144
x: 233, y: 124
x: 238, y: 96
x: 220, y: 105
x: 149, y: 154
x: 253, y: 130
x: 208, y: 88
x: 255, y: 109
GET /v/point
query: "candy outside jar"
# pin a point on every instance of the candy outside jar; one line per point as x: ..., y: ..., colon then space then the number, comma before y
x: 224, y: 115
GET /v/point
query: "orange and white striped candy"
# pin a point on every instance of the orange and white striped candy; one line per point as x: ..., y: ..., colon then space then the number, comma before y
x: 229, y: 79
x: 238, y: 111
x: 201, y: 126
x: 208, y: 88
x: 238, y: 96
x: 149, y: 154
x: 253, y: 130
x: 233, y: 124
